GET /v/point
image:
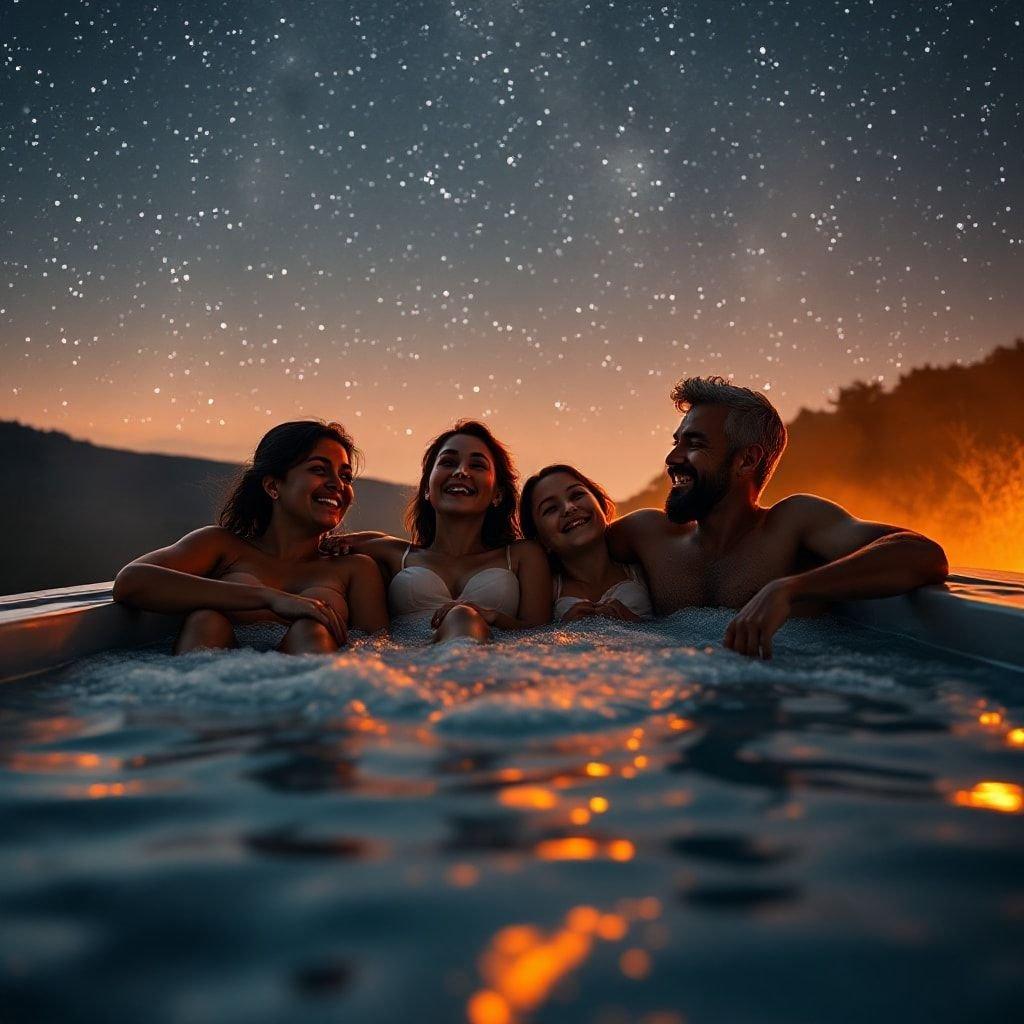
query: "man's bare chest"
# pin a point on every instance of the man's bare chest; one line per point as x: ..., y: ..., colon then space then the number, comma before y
x: 682, y: 575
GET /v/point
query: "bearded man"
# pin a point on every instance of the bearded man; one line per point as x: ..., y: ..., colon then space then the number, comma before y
x: 715, y: 544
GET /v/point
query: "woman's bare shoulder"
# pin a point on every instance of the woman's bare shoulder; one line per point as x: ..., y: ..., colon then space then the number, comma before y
x: 527, y: 552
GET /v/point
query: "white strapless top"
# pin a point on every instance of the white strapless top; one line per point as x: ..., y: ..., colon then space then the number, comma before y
x: 415, y: 589
x: 632, y: 592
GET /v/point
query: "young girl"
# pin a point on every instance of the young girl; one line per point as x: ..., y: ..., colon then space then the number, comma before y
x: 262, y: 564
x: 465, y: 570
x: 568, y: 513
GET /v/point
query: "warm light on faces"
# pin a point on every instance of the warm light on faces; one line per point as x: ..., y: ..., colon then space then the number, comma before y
x: 319, y: 489
x: 699, y: 464
x: 567, y: 515
x: 463, y: 478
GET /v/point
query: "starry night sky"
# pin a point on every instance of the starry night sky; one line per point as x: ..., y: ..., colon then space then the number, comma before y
x: 218, y: 216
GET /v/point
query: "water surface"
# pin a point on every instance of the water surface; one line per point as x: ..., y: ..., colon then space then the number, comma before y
x: 610, y: 824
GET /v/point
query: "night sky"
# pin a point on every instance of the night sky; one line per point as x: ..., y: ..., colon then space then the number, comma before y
x: 218, y: 216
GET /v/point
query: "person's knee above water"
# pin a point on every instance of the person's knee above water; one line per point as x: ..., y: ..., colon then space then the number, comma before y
x: 465, y: 552
x: 715, y: 544
x: 262, y: 566
x: 568, y: 513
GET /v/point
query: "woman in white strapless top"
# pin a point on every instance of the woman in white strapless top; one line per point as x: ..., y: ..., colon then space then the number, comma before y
x: 465, y: 570
x: 568, y: 513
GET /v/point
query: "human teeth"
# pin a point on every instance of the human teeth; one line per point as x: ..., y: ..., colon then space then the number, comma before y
x: 333, y: 502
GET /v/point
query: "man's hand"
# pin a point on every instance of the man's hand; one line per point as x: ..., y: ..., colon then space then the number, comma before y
x: 750, y: 632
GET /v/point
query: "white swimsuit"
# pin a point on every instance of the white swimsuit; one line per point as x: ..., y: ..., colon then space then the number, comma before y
x: 416, y: 590
x: 632, y: 592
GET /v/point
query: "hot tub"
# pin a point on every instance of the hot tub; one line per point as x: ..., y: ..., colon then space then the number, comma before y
x: 979, y: 613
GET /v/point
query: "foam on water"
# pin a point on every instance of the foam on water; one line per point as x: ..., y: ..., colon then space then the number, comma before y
x: 589, y: 676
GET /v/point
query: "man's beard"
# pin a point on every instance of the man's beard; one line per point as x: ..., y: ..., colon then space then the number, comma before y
x: 704, y: 494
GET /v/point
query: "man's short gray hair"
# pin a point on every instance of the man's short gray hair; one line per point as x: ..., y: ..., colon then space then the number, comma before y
x: 752, y: 418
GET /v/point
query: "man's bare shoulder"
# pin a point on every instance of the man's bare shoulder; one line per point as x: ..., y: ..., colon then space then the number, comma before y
x: 644, y: 522
x: 804, y: 510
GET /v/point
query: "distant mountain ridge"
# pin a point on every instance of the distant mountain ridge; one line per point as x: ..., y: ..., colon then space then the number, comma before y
x: 941, y: 452
x: 74, y: 512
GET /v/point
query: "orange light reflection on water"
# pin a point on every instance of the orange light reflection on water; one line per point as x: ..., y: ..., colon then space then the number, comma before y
x: 522, y: 964
x: 534, y: 798
x: 584, y: 848
x: 1006, y: 797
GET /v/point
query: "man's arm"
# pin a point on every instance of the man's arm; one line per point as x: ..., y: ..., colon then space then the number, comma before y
x: 623, y: 536
x: 863, y: 560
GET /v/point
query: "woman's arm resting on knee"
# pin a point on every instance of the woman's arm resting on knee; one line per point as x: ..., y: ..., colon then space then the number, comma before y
x: 175, y: 578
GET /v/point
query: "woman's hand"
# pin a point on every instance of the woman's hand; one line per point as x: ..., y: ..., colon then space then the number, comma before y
x: 335, y: 544
x: 616, y: 610
x: 487, y: 614
x: 292, y: 607
x: 580, y: 610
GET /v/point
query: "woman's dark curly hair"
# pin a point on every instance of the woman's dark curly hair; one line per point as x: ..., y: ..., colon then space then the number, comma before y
x: 500, y: 524
x: 247, y: 509
x: 526, y: 520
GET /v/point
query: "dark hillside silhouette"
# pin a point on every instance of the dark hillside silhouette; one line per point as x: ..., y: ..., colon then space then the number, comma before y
x: 942, y: 452
x: 75, y: 513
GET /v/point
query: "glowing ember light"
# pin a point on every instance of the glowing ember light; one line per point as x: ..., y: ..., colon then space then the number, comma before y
x: 1015, y: 737
x: 598, y: 804
x: 621, y: 849
x: 640, y: 761
x: 102, y: 790
x: 635, y: 964
x: 678, y: 724
x: 522, y: 965
x: 992, y: 796
x: 488, y: 1007
x: 650, y: 908
x: 573, y: 848
x: 990, y: 718
x: 535, y: 798
x: 510, y: 775
x: 597, y: 769
x: 582, y: 919
x: 612, y: 927
x: 579, y: 815
x: 462, y: 876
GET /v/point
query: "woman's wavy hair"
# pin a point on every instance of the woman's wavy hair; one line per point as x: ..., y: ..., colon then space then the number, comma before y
x: 247, y: 509
x: 501, y: 525
x: 526, y: 519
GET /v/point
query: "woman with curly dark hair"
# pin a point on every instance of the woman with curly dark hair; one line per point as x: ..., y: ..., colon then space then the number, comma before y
x: 263, y: 564
x: 465, y: 570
